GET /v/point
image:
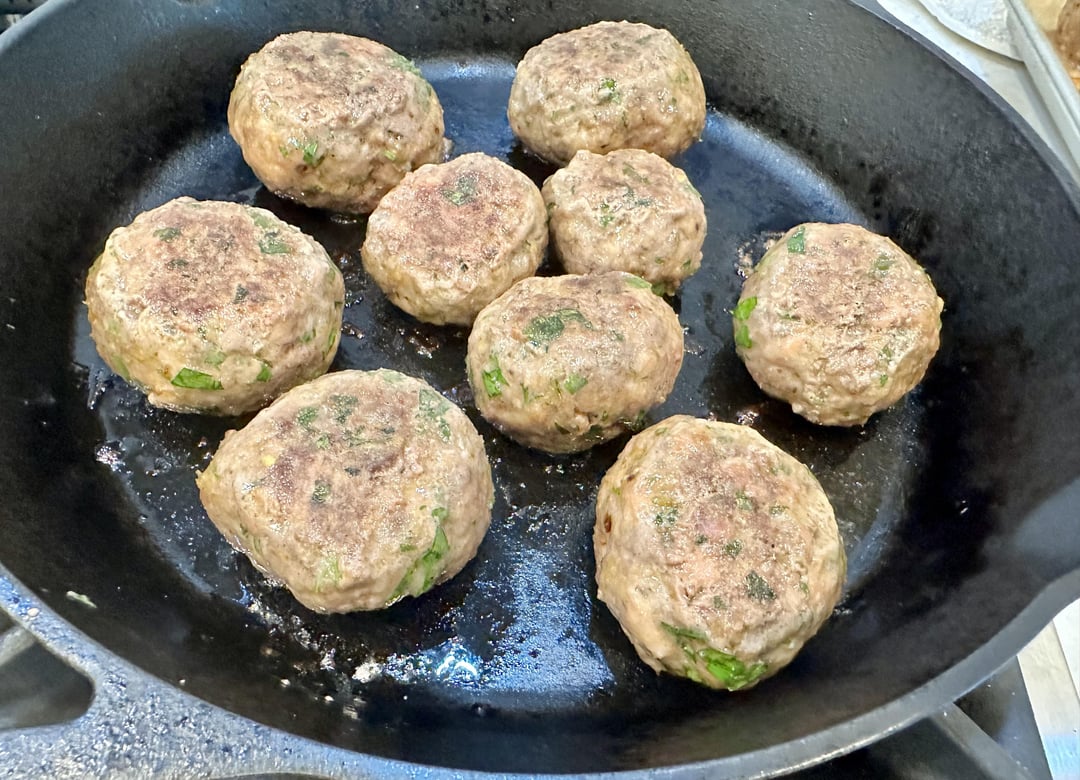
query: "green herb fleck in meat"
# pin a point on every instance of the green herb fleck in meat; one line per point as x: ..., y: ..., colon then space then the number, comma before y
x: 725, y: 667
x: 607, y: 215
x: 733, y: 548
x: 400, y: 62
x: 215, y: 357
x: 638, y: 282
x: 609, y: 91
x: 261, y: 219
x: 744, y: 308
x: 390, y: 154
x: 342, y: 407
x: 311, y: 154
x: 195, y: 380
x: 321, y: 493
x: 270, y: 243
x: 881, y: 265
x: 543, y: 330
x: 425, y: 569
x: 637, y: 422
x: 574, y: 382
x: 632, y: 172
x: 167, y: 234
x: 796, y: 243
x: 240, y: 294
x: 743, y: 501
x: 306, y: 416
x: 493, y: 378
x: 463, y: 191
x: 742, y: 336
x: 433, y: 408
x: 758, y: 589
x: 264, y: 373
x: 329, y: 573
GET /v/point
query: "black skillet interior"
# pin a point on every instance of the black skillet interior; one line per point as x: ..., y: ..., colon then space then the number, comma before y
x: 820, y: 112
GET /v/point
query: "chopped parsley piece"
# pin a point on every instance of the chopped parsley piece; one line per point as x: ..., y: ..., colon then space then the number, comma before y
x: 574, y: 382
x: 638, y: 282
x: 306, y: 416
x: 881, y: 266
x: 271, y: 244
x: 464, y: 190
x: 494, y: 381
x: 308, y: 336
x: 744, y: 308
x: 311, y: 154
x: 632, y: 172
x: 261, y: 219
x: 733, y: 548
x: 595, y: 433
x: 342, y: 407
x: 425, y: 570
x: 389, y: 154
x: 607, y: 215
x: 742, y: 336
x: 609, y: 91
x: 543, y: 330
x: 796, y: 244
x: 321, y: 493
x: 240, y: 294
x: 167, y: 234
x: 433, y: 407
x: 440, y: 513
x: 743, y: 501
x: 883, y: 380
x: 730, y: 670
x: 639, y: 421
x: 195, y: 380
x: 329, y: 573
x: 402, y: 62
x: 264, y: 373
x: 725, y: 667
x: 758, y: 589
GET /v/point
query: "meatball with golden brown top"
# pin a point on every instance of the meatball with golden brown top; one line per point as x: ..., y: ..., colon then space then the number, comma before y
x: 837, y: 321
x: 627, y: 210
x: 333, y: 121
x: 611, y: 85
x: 451, y: 238
x: 563, y: 363
x: 717, y: 552
x: 214, y: 307
x: 354, y: 490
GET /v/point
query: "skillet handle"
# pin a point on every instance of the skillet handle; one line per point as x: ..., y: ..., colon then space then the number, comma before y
x: 139, y: 726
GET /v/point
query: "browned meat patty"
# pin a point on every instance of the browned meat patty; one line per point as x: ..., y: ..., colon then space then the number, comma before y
x: 354, y: 490
x: 717, y: 552
x: 333, y: 121
x: 451, y: 238
x: 611, y: 85
x: 214, y: 307
x: 627, y: 210
x: 563, y: 363
x: 837, y: 321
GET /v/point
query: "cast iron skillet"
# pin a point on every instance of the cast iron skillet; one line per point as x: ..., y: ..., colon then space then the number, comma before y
x: 958, y: 507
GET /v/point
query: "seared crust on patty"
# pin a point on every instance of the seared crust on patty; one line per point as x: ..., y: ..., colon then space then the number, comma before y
x: 332, y: 120
x: 611, y: 85
x: 354, y: 490
x: 451, y: 238
x: 627, y: 210
x: 214, y: 307
x: 717, y: 552
x: 563, y: 363
x: 837, y: 321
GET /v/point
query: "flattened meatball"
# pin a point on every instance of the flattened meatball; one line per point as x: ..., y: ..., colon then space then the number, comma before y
x: 837, y: 321
x: 333, y: 121
x: 451, y: 238
x: 563, y: 363
x: 214, y: 307
x: 611, y: 85
x: 354, y: 490
x: 627, y: 210
x: 717, y: 552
